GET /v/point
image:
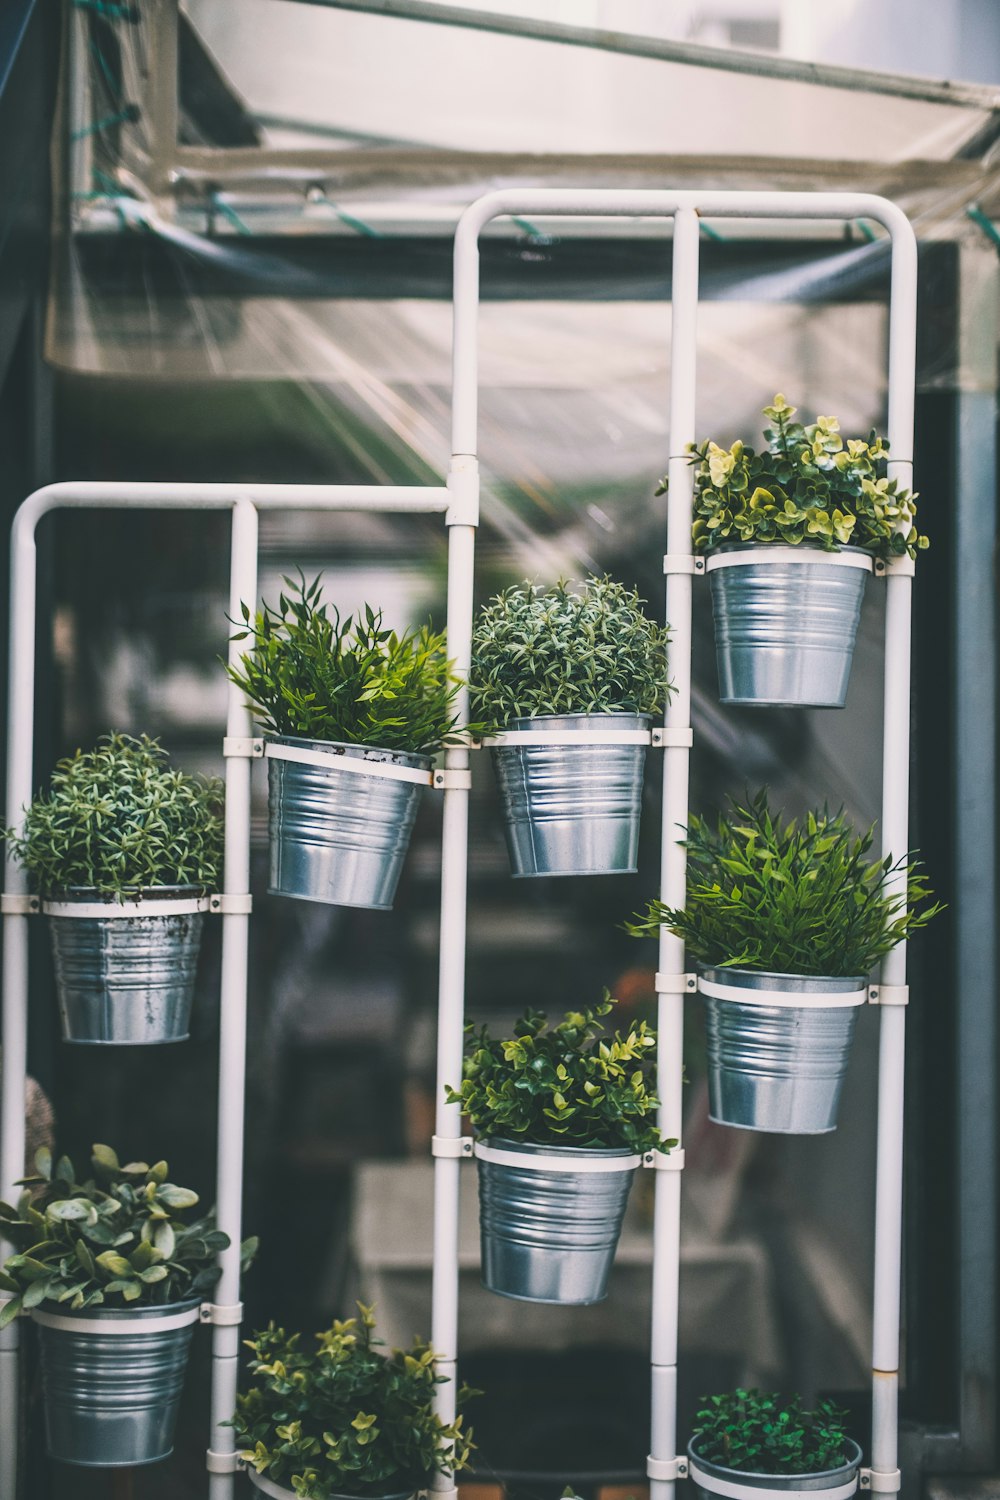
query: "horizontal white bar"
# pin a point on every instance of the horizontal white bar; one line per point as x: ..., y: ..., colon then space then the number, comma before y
x: 809, y: 556
x: 184, y: 906
x: 352, y: 764
x: 117, y: 1327
x: 735, y: 1491
x: 792, y: 999
x: 569, y: 737
x: 539, y: 1163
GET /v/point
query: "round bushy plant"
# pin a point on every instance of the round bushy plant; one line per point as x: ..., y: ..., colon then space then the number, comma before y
x: 789, y: 896
x: 120, y: 820
x: 584, y: 648
x: 573, y: 1084
x: 756, y: 1433
x: 119, y: 1239
x: 345, y: 1420
x: 807, y: 486
x: 312, y: 675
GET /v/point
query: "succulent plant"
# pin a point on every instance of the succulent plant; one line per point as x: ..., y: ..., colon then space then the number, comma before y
x: 789, y: 896
x: 756, y: 1433
x: 313, y: 675
x: 807, y: 486
x: 345, y: 1419
x: 573, y: 1084
x: 569, y: 649
x: 120, y: 820
x: 119, y: 1239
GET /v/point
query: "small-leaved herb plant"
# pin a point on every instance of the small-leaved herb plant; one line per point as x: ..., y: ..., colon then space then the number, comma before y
x: 807, y: 486
x: 584, y: 648
x: 120, y: 820
x: 120, y: 1239
x: 756, y: 1433
x: 790, y: 896
x: 312, y: 675
x: 572, y: 1084
x: 345, y: 1419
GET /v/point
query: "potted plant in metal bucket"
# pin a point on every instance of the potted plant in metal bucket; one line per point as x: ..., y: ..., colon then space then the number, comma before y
x: 353, y: 713
x: 123, y: 850
x: 785, y: 918
x: 113, y: 1274
x: 562, y: 1115
x: 746, y: 1442
x: 344, y: 1420
x: 569, y: 678
x: 789, y: 534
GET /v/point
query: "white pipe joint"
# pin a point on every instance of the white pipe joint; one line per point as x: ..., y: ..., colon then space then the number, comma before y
x: 463, y: 491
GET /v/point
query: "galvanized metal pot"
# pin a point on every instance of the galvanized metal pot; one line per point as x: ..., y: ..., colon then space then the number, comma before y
x: 279, y: 1492
x: 778, y: 1047
x: 112, y: 1382
x: 711, y: 1480
x: 785, y: 622
x: 549, y: 1218
x: 338, y: 834
x: 572, y: 807
x: 125, y: 971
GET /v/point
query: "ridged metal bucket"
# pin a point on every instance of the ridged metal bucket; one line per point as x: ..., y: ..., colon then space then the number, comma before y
x: 572, y: 809
x: 785, y: 623
x: 111, y: 1396
x: 711, y: 1480
x: 125, y: 972
x: 549, y: 1219
x: 777, y: 1048
x: 279, y: 1492
x: 337, y: 836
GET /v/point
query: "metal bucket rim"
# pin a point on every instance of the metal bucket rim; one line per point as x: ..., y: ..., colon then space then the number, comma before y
x: 122, y: 1320
x: 532, y: 1157
x: 579, y: 720
x: 271, y: 1487
x: 793, y: 984
x: 338, y: 749
x: 787, y: 1482
x: 747, y: 554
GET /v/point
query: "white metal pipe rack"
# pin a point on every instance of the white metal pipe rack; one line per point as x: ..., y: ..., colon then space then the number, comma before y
x: 458, y: 503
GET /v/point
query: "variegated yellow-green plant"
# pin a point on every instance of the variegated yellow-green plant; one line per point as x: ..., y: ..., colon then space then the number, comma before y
x: 809, y: 486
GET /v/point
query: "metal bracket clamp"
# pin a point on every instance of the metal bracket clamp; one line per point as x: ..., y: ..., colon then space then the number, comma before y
x: 230, y: 906
x: 19, y: 905
x: 886, y: 1482
x: 666, y: 1468
x: 235, y: 747
x: 888, y: 994
x: 463, y: 488
x: 675, y: 984
x: 682, y: 562
x: 223, y: 1463
x: 451, y: 1145
x: 672, y: 1161
x: 663, y: 737
x: 449, y: 780
x: 221, y: 1316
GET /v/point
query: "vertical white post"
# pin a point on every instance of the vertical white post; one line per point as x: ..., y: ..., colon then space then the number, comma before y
x: 895, y: 843
x: 20, y: 736
x: 233, y: 1013
x: 462, y: 518
x: 666, y: 1223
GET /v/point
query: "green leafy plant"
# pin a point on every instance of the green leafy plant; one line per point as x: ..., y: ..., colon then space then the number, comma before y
x: 313, y: 675
x: 756, y: 1433
x: 569, y: 649
x: 807, y: 486
x: 119, y: 1239
x: 789, y: 896
x: 573, y: 1084
x: 346, y: 1420
x: 119, y: 820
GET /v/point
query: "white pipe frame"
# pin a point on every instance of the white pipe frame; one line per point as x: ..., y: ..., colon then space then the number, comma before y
x: 458, y: 502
